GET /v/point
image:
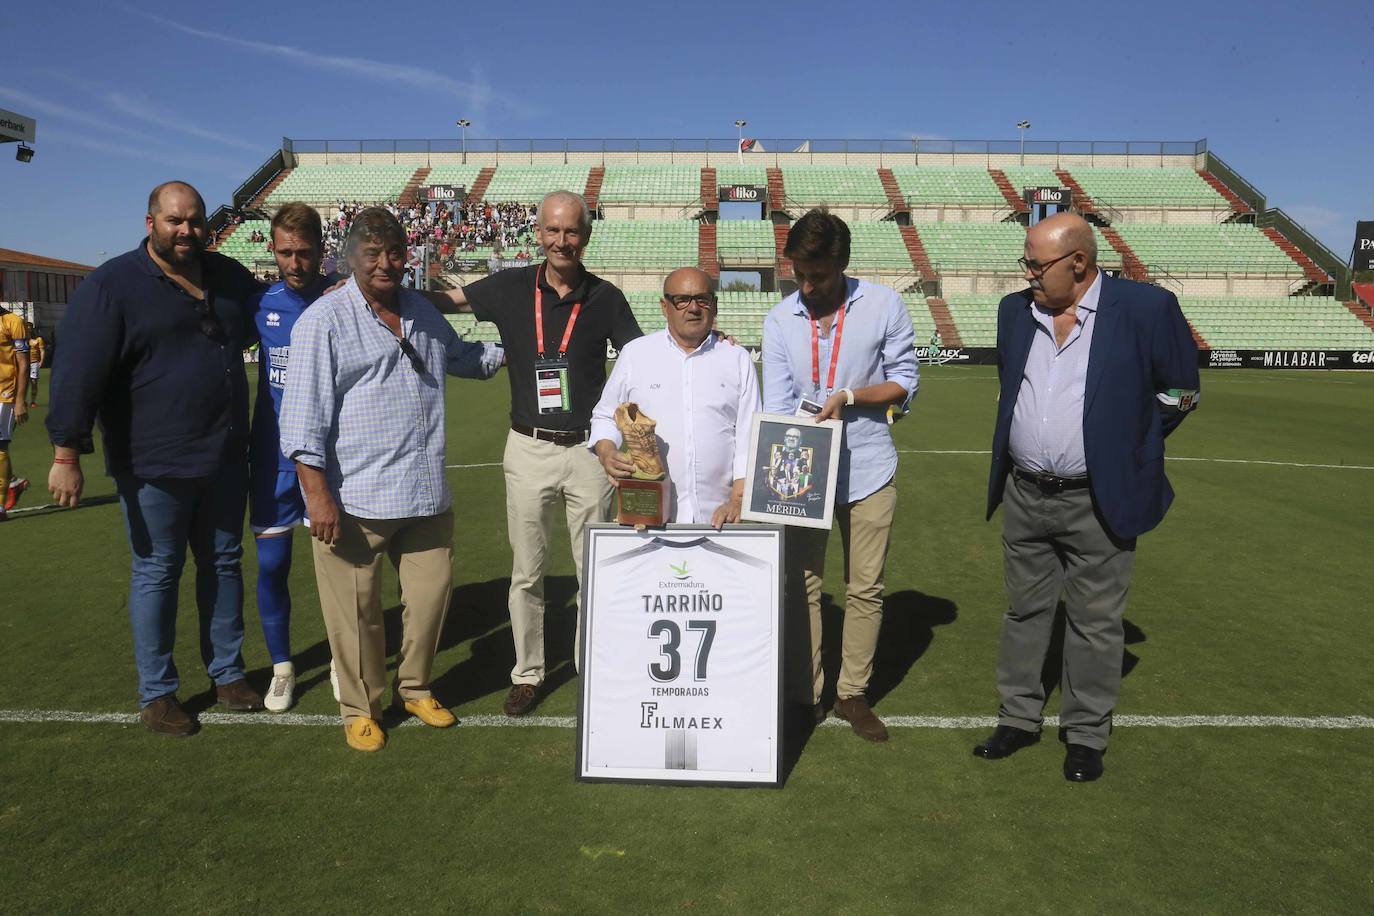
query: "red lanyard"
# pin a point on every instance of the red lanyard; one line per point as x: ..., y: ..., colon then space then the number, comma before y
x: 572, y: 320
x: 838, y: 330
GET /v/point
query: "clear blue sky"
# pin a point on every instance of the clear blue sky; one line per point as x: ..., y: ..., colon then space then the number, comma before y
x: 127, y: 95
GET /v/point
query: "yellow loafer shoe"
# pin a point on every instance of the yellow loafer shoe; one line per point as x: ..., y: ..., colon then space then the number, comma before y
x: 363, y: 734
x: 430, y: 711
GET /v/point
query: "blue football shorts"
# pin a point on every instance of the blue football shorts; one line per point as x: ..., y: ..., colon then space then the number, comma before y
x: 275, y: 503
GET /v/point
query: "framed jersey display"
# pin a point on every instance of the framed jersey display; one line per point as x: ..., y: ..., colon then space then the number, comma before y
x: 793, y: 463
x: 681, y: 655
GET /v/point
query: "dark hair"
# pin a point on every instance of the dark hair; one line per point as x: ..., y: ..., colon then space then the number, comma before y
x: 155, y: 196
x: 300, y: 219
x: 819, y: 236
x: 374, y: 224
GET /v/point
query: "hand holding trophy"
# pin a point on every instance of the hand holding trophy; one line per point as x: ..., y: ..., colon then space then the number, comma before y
x: 642, y: 499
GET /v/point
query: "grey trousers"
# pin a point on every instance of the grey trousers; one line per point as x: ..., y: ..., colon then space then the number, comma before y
x: 1053, y: 545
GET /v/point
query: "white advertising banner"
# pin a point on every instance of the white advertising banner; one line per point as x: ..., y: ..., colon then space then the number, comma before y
x: 681, y: 655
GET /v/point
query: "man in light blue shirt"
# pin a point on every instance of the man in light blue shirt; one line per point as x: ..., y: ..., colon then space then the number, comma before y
x: 848, y: 345
x: 363, y: 418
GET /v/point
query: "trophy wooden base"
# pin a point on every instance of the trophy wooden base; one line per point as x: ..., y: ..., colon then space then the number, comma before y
x: 642, y: 502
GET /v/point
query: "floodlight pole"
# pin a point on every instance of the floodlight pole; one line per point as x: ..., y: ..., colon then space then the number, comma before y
x: 464, y: 123
x: 1023, y: 126
x: 739, y: 144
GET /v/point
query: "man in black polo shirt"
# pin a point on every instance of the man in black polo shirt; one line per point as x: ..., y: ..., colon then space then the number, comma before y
x: 555, y: 319
x: 152, y: 347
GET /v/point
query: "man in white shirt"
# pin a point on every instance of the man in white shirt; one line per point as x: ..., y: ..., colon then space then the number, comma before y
x: 702, y: 392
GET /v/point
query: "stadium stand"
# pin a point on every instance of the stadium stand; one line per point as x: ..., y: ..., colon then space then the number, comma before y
x: 239, y: 246
x: 329, y: 184
x: 975, y: 316
x: 661, y: 184
x: 1290, y: 322
x: 740, y: 241
x: 814, y: 185
x: 955, y: 185
x: 755, y: 175
x: 879, y: 247
x: 1148, y: 187
x: 1250, y: 283
x: 529, y: 183
x: 642, y: 244
x: 1234, y: 248
x: 464, y: 175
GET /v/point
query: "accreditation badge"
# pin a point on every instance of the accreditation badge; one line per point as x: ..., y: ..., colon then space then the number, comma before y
x: 553, y: 393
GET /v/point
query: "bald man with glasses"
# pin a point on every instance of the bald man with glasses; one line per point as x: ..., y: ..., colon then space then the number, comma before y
x: 1095, y: 372
x: 701, y: 391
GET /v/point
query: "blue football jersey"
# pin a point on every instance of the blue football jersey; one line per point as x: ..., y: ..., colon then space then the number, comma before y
x: 275, y: 313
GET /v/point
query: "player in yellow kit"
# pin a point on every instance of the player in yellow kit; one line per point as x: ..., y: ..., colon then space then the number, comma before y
x: 14, y: 404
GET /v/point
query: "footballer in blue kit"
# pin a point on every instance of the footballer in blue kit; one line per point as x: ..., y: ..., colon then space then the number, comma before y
x: 275, y: 504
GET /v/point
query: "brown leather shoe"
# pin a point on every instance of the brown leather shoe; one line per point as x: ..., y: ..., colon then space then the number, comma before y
x: 166, y: 716
x: 520, y: 700
x: 855, y: 711
x: 238, y: 696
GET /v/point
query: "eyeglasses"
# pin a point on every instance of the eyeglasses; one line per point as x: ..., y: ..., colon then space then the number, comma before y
x: 413, y: 355
x: 680, y: 302
x: 209, y: 321
x: 1039, y: 269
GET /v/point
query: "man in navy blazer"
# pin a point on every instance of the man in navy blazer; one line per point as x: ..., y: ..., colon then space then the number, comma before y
x: 1094, y: 373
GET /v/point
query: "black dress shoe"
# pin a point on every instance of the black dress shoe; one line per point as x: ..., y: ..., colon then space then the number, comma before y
x: 1083, y: 764
x: 1005, y: 741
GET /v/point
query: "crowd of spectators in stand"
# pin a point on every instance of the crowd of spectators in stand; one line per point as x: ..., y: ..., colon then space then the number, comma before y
x: 446, y: 232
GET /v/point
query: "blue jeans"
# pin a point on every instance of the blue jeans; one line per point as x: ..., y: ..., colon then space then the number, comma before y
x: 163, y: 516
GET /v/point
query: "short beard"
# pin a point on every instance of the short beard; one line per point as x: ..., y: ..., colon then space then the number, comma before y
x: 170, y: 254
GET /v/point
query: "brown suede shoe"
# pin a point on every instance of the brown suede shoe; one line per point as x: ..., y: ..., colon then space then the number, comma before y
x: 238, y: 696
x: 165, y: 716
x: 855, y: 711
x: 520, y: 700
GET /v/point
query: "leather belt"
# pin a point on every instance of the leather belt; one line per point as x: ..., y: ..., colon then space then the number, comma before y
x: 556, y: 436
x: 1048, y: 483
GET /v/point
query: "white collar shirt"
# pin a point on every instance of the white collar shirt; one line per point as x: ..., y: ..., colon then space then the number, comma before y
x: 703, y: 402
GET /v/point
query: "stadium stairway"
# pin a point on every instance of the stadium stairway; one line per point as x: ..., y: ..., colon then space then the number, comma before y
x: 1237, y: 205
x: 1309, y: 267
x: 258, y: 198
x: 707, y: 257
x: 777, y: 193
x: 1362, y: 310
x: 919, y: 258
x: 1132, y: 266
x: 412, y: 189
x: 1081, y: 201
x: 479, y: 187
x: 779, y: 243
x: 1004, y: 185
x: 214, y: 246
x: 944, y: 323
x: 710, y: 191
x: 895, y: 200
x: 592, y: 193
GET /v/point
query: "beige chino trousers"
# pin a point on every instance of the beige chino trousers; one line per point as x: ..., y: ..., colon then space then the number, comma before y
x: 350, y: 583
x: 865, y: 532
x: 539, y: 476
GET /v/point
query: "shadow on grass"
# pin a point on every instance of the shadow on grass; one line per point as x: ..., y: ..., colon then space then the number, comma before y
x: 909, y: 621
x: 479, y: 612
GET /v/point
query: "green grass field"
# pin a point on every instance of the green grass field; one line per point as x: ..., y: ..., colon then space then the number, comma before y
x: 1253, y: 598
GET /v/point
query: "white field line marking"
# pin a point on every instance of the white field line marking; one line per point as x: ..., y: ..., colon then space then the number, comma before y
x: 489, y: 464
x: 1281, y: 464
x: 29, y: 716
